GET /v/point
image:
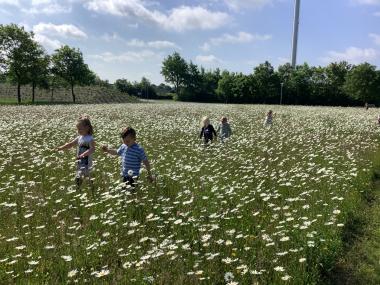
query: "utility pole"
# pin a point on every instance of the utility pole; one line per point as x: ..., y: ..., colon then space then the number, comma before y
x: 282, y: 85
x: 295, y: 31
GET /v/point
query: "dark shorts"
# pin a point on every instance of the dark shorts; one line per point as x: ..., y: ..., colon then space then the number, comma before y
x: 207, y: 140
x: 132, y: 181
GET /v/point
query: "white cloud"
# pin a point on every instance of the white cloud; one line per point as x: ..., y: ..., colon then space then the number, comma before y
x: 207, y: 59
x: 43, y: 33
x: 205, y: 47
x: 352, y: 55
x: 47, y: 7
x: 49, y: 44
x: 64, y: 30
x: 179, y: 19
x: 377, y: 14
x: 375, y: 37
x: 190, y: 18
x: 111, y: 37
x: 239, y: 38
x: 163, y: 45
x: 128, y: 56
x: 152, y: 44
x: 136, y: 43
x: 237, y: 5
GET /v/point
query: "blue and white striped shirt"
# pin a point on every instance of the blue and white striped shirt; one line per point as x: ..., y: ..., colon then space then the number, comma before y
x: 131, y: 158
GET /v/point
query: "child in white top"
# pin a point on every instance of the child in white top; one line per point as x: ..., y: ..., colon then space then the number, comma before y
x: 224, y: 129
x: 86, y: 147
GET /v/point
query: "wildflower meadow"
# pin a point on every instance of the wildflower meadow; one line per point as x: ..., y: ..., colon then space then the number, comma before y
x: 268, y: 206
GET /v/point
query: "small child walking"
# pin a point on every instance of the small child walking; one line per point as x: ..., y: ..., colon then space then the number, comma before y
x: 132, y: 155
x: 86, y: 147
x: 269, y: 119
x: 224, y: 129
x: 208, y: 132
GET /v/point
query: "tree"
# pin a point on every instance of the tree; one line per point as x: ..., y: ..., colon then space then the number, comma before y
x: 102, y: 83
x: 3, y: 77
x: 39, y: 68
x: 146, y: 89
x: 363, y: 83
x: 68, y: 64
x: 175, y: 70
x: 336, y: 73
x: 124, y: 86
x: 54, y: 82
x: 285, y: 73
x: 267, y: 82
x: 210, y: 80
x: 16, y: 47
x: 225, y: 86
x: 300, y: 84
x: 319, y: 91
x: 192, y: 84
x: 163, y: 89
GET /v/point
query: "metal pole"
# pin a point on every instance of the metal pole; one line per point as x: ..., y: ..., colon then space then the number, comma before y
x: 295, y: 31
x: 282, y: 84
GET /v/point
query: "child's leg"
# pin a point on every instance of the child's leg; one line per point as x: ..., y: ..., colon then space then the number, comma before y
x: 130, y: 184
x: 78, y: 181
x: 79, y: 175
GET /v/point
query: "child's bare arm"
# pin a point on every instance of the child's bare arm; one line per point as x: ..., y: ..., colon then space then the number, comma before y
x: 108, y: 150
x: 90, y: 151
x: 68, y: 145
x: 147, y: 166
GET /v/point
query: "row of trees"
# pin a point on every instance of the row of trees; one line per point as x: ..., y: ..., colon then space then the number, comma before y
x: 144, y: 89
x: 24, y: 61
x: 336, y: 84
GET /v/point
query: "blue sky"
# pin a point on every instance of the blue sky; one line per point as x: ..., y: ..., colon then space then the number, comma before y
x: 130, y: 38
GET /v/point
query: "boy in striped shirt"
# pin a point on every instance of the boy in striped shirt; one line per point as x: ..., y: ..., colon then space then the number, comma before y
x: 132, y: 155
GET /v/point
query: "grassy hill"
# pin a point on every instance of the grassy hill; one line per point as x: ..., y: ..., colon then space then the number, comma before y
x: 87, y: 94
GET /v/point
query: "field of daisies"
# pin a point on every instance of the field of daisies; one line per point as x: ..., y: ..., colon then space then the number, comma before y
x: 269, y: 206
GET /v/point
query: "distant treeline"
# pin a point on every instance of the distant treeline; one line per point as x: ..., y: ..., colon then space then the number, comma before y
x: 23, y: 61
x: 338, y: 84
x: 144, y: 89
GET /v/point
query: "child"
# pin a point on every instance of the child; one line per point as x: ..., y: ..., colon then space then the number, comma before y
x: 224, y: 129
x: 269, y: 119
x: 208, y: 131
x: 131, y: 155
x: 86, y: 147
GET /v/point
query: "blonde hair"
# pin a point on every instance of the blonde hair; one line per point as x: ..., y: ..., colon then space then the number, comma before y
x: 204, y: 120
x: 84, y: 120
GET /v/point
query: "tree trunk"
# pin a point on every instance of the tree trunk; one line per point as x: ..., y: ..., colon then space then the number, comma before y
x: 72, y: 92
x: 52, y: 94
x: 19, y: 93
x: 33, y: 90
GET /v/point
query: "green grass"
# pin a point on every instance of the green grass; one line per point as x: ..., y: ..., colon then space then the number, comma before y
x: 271, y: 206
x: 360, y: 260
